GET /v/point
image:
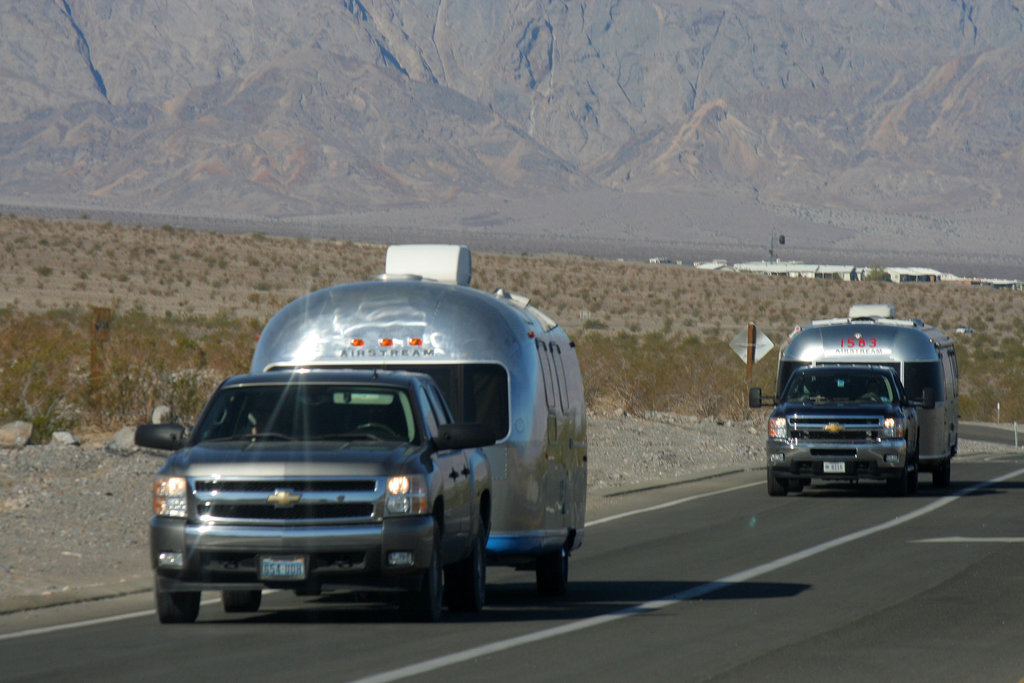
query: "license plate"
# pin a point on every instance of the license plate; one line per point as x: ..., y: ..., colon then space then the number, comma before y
x: 834, y: 467
x: 283, y: 568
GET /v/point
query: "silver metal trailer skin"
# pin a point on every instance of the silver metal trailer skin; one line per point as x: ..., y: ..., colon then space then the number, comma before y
x: 922, y: 355
x: 496, y: 359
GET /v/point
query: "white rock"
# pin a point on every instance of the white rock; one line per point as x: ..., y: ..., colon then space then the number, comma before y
x: 162, y: 415
x: 123, y: 441
x: 66, y: 439
x: 15, y: 434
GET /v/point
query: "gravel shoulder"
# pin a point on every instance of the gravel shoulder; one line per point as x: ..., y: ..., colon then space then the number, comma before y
x: 75, y: 519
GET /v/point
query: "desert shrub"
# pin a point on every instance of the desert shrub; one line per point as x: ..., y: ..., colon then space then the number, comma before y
x: 39, y: 381
x: 53, y: 373
x: 664, y: 372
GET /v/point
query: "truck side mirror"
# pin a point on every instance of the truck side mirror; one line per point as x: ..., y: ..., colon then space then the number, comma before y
x: 464, y: 435
x: 755, y: 397
x: 167, y: 437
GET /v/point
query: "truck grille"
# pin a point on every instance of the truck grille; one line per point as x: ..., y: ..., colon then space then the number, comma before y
x: 838, y: 429
x: 264, y: 512
x: 286, y: 501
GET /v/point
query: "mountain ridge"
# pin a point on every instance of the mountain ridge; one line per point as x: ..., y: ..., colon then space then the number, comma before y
x: 459, y: 108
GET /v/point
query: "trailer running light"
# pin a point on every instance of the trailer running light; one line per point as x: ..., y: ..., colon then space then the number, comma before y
x: 386, y: 342
x: 357, y: 342
x: 415, y: 341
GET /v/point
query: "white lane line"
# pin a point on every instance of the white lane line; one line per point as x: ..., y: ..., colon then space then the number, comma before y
x: 674, y: 599
x: 88, y: 622
x: 973, y: 539
x: 671, y: 503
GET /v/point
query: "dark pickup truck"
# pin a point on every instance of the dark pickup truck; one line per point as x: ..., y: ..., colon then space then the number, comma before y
x: 320, y: 480
x: 842, y: 423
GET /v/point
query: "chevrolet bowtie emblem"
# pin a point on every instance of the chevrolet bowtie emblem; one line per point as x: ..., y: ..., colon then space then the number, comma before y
x: 284, y: 497
x: 834, y: 428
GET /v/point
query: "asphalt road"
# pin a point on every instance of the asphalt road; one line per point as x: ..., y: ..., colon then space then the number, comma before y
x: 711, y: 580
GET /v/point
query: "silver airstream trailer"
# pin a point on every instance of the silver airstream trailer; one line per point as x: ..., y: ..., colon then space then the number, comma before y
x: 923, y: 356
x: 497, y: 360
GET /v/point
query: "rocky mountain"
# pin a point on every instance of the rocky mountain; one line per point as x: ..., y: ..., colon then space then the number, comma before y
x: 837, y: 121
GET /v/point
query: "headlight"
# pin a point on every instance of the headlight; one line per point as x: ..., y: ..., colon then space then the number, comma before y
x: 894, y: 428
x: 170, y: 497
x: 407, y: 495
x: 777, y: 428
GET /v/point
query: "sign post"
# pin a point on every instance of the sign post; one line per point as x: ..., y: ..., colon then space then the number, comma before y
x: 751, y: 347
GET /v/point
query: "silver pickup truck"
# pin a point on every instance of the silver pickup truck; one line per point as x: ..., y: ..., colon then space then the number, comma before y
x: 313, y: 480
x: 842, y: 423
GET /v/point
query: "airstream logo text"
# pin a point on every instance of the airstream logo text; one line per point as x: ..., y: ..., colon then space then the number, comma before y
x: 867, y: 351
x: 386, y: 353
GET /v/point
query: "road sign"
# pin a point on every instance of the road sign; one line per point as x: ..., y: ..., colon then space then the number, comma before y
x: 762, y: 345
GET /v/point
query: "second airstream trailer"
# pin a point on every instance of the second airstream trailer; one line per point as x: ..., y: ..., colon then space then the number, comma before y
x: 496, y: 358
x: 922, y: 355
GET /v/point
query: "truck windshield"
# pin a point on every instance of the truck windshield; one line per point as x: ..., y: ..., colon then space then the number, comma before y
x: 308, y: 412
x: 831, y: 385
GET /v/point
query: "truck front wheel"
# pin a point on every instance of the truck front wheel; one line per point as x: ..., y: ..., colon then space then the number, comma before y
x: 425, y: 603
x: 776, y: 486
x: 899, y: 485
x: 466, y: 580
x: 177, y: 608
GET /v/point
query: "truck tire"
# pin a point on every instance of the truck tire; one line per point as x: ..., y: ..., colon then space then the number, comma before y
x: 899, y: 485
x: 241, y: 601
x: 776, y: 486
x: 942, y: 474
x: 553, y: 573
x: 465, y: 581
x: 425, y: 603
x: 177, y: 608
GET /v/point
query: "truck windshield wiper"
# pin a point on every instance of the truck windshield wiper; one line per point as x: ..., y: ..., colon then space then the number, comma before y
x: 264, y: 436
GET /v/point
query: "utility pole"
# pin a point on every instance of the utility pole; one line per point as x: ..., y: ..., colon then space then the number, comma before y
x: 771, y: 245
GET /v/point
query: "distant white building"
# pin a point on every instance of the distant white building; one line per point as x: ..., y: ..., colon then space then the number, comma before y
x: 798, y: 269
x: 898, y: 274
x: 717, y: 264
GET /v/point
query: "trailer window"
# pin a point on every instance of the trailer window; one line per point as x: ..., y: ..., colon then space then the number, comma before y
x: 475, y: 392
x: 917, y: 376
x: 547, y: 372
x: 563, y: 391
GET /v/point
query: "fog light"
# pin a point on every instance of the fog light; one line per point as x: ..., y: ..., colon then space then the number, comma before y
x: 170, y: 561
x: 400, y: 558
x: 776, y: 458
x: 892, y: 459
